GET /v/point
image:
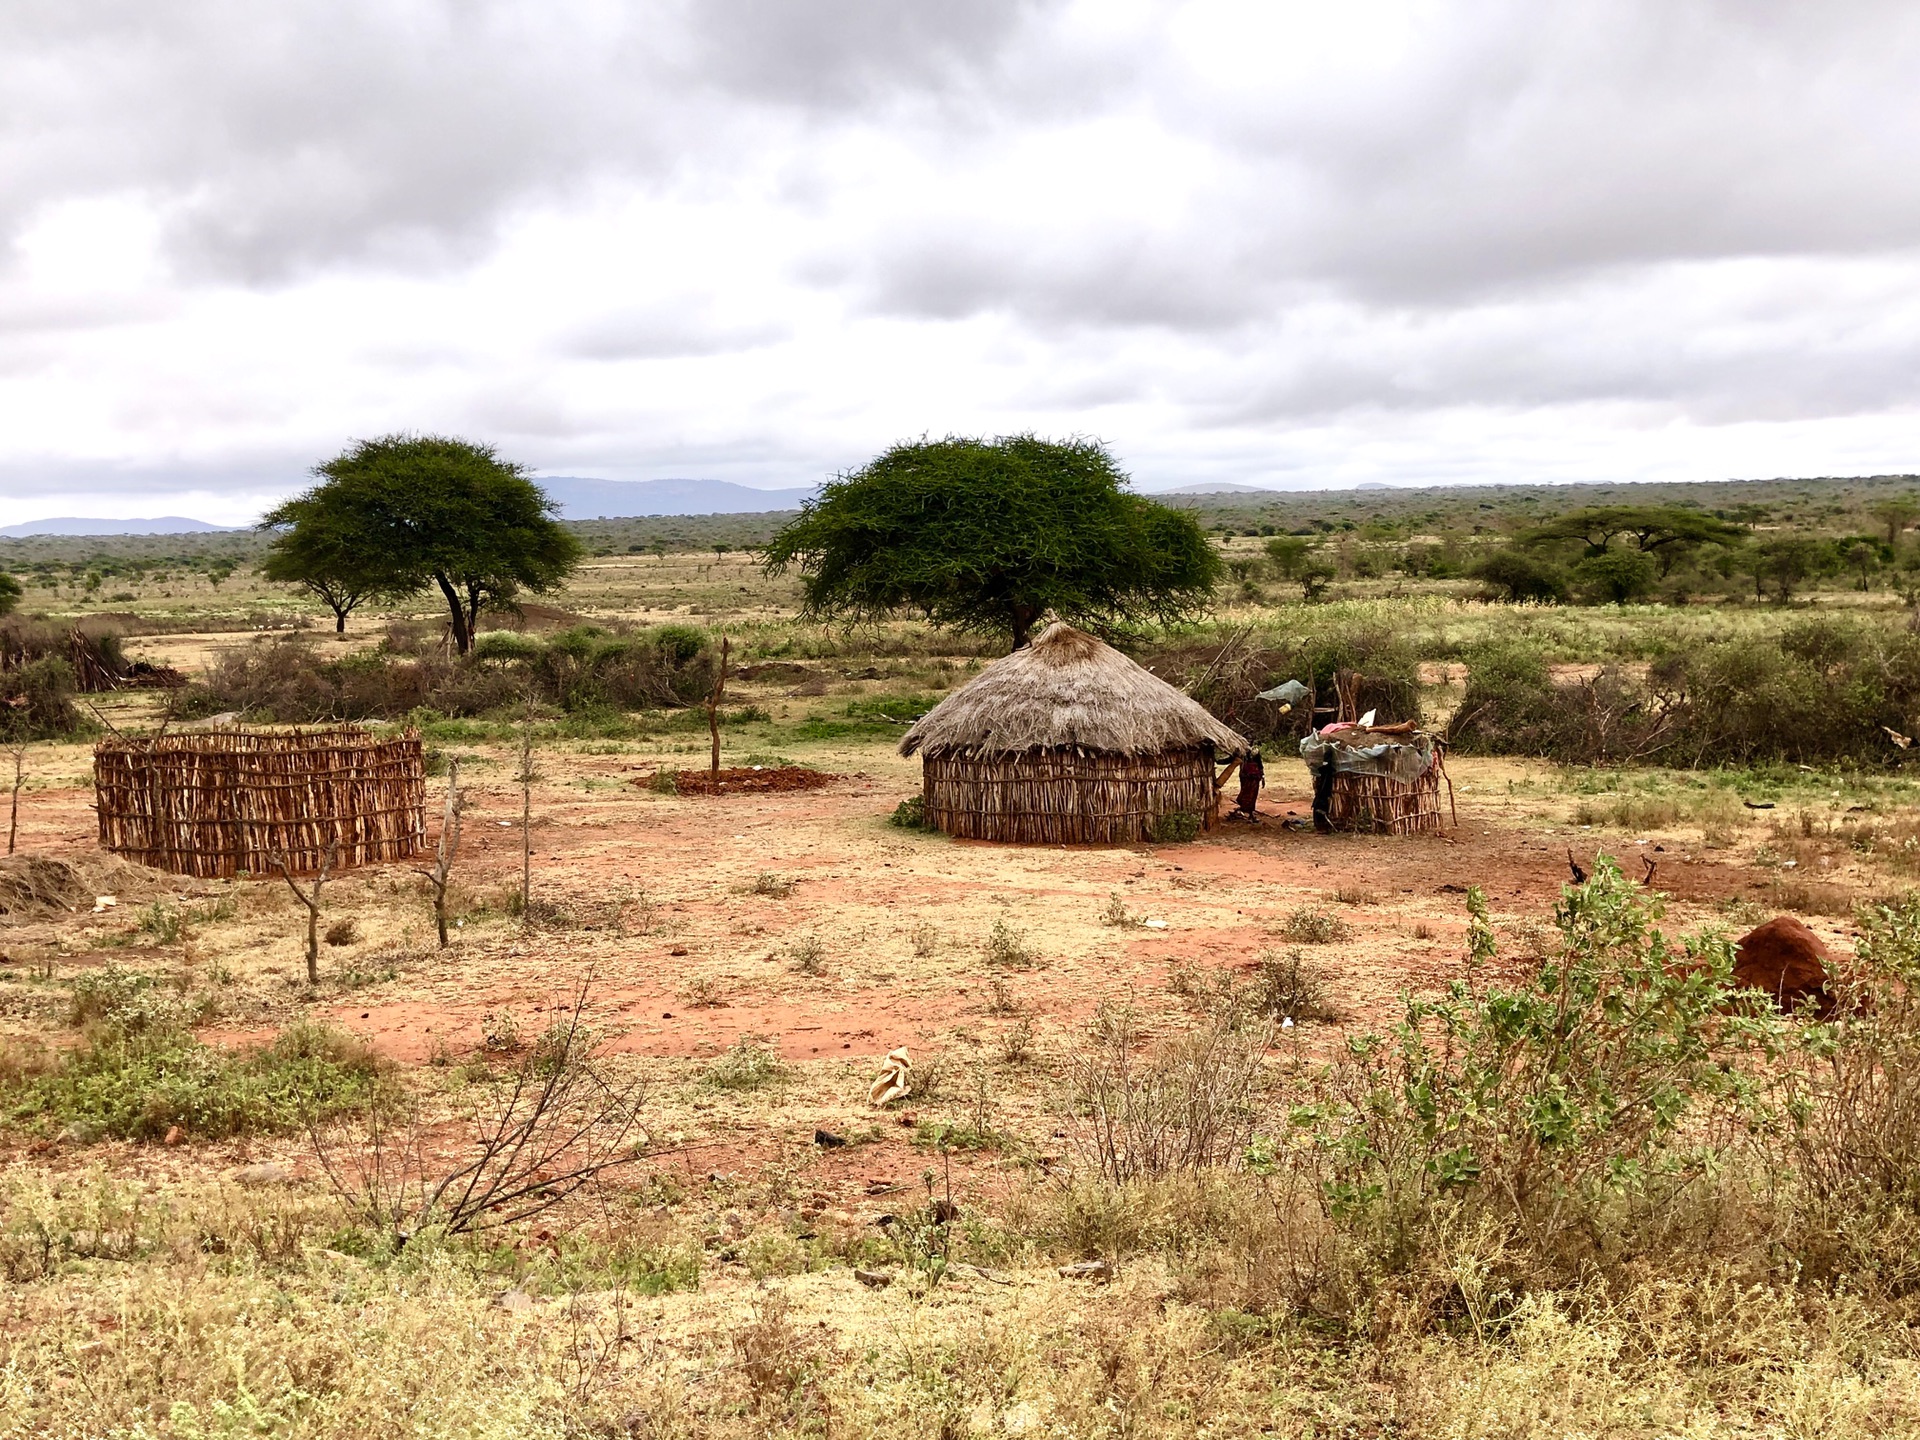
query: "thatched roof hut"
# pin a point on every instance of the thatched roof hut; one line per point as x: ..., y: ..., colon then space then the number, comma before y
x: 1068, y: 741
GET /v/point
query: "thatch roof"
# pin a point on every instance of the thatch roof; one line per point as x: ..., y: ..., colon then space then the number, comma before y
x: 1067, y: 689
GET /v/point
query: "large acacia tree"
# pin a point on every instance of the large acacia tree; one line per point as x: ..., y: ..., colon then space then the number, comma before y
x: 407, y: 511
x: 1663, y: 533
x: 990, y: 535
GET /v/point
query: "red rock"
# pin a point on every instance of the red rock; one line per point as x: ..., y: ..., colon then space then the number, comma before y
x: 1785, y: 959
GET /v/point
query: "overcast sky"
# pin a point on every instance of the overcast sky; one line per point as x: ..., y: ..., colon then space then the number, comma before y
x: 1274, y: 243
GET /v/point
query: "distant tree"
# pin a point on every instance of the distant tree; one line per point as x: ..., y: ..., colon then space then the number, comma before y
x: 991, y: 535
x: 1663, y: 532
x: 1896, y: 514
x: 1314, y: 577
x: 10, y: 593
x: 430, y: 509
x: 1514, y: 575
x: 1789, y: 561
x: 1616, y: 576
x: 321, y: 549
x: 1863, y: 557
x: 1288, y: 554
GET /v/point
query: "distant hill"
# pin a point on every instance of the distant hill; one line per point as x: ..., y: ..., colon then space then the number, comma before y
x: 1219, y: 487
x: 80, y: 525
x: 585, y: 499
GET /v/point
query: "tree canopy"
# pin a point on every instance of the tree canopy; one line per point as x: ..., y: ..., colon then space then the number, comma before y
x: 10, y: 593
x: 319, y: 547
x: 990, y: 535
x: 1662, y: 532
x: 396, y: 514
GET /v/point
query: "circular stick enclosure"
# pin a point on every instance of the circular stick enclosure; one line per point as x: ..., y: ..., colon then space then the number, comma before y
x: 229, y: 802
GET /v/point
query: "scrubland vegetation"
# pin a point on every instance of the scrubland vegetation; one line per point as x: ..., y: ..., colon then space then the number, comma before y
x: 1357, y: 1160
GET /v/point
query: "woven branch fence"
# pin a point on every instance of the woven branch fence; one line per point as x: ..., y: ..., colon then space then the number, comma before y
x: 1375, y: 804
x: 1065, y: 797
x: 226, y: 803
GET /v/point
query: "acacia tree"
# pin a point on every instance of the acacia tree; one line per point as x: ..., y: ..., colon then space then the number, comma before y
x: 317, y: 547
x: 1663, y: 533
x: 419, y: 510
x: 10, y: 593
x: 990, y: 535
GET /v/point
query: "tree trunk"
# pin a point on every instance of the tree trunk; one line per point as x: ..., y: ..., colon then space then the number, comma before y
x: 1023, y: 618
x: 476, y: 598
x: 339, y: 621
x: 462, y: 632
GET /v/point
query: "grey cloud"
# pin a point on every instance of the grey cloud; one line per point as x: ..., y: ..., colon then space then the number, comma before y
x: 642, y: 334
x: 282, y: 137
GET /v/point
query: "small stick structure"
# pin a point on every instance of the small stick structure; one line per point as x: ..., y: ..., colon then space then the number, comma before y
x: 713, y: 704
x: 1384, y: 806
x: 242, y: 802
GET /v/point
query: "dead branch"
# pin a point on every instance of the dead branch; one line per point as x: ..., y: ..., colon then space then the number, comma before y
x: 446, y: 849
x: 545, y: 1129
x: 311, y: 901
x: 526, y: 777
x: 13, y: 813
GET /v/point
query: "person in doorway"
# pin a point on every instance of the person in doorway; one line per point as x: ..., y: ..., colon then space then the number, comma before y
x: 1252, y: 776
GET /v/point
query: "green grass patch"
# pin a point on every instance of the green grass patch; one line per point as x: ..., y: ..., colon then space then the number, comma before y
x: 868, y: 715
x: 138, y: 1083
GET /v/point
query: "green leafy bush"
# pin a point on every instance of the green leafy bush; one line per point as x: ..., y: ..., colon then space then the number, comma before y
x: 36, y: 703
x: 1515, y: 575
x: 1176, y: 827
x: 911, y: 814
x: 1575, y: 1106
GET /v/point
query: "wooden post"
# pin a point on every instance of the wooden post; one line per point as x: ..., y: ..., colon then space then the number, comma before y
x: 526, y: 808
x: 13, y: 815
x: 713, y: 710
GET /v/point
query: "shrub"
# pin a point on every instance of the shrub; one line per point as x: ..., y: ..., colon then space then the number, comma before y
x: 36, y: 703
x: 1288, y: 987
x: 1821, y: 692
x: 1008, y: 946
x: 1616, y: 577
x: 911, y: 814
x: 1514, y: 575
x: 585, y: 671
x: 1311, y: 926
x: 1189, y: 1104
x: 1176, y: 827
x: 1577, y: 1106
x: 749, y: 1065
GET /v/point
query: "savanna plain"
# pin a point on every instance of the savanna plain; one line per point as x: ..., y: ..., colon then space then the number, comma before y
x: 1268, y: 1132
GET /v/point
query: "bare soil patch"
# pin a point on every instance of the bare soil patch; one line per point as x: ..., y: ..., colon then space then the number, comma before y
x: 748, y: 780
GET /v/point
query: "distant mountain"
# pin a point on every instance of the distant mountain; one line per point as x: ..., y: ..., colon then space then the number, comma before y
x: 80, y: 525
x: 585, y: 499
x: 1219, y: 487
